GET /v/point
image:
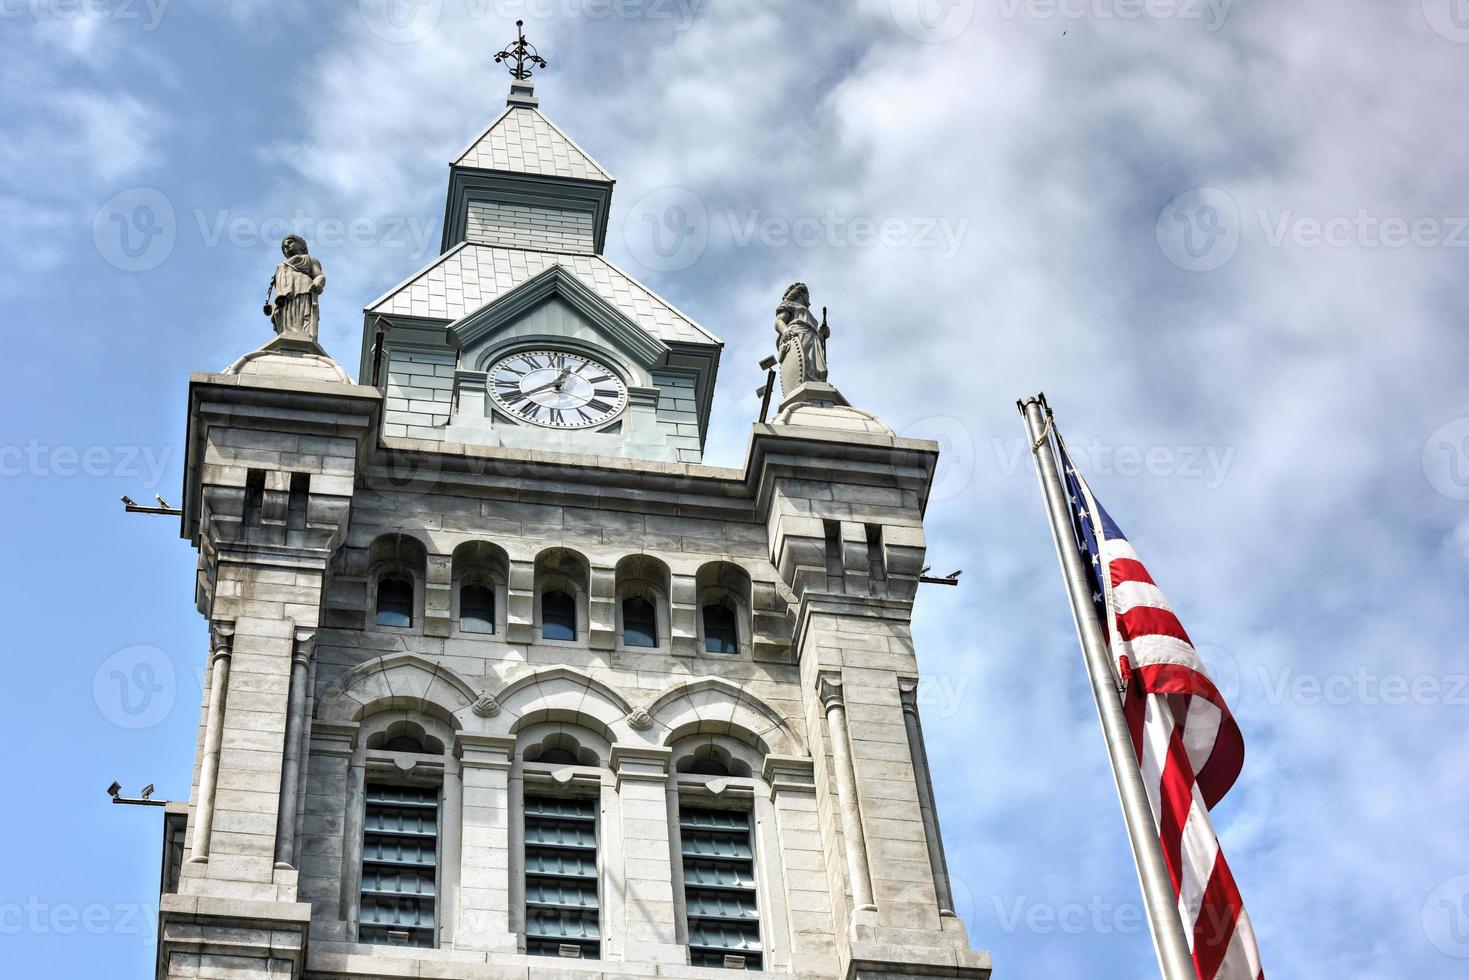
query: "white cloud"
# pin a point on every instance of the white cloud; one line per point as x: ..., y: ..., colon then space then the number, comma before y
x: 1321, y: 369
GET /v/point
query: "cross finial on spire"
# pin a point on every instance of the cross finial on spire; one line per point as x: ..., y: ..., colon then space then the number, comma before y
x: 523, y: 53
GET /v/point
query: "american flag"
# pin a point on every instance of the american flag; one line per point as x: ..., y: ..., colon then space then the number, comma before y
x: 1188, y: 745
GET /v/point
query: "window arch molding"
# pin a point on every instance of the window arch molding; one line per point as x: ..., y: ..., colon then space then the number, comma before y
x: 566, y: 571
x: 484, y: 565
x: 713, y: 705
x: 398, y: 682
x: 724, y: 585
x: 393, y: 558
x: 643, y: 577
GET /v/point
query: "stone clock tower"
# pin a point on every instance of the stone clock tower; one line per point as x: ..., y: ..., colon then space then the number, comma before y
x: 503, y: 680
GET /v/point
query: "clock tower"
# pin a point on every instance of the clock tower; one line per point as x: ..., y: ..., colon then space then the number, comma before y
x: 522, y: 333
x: 503, y: 680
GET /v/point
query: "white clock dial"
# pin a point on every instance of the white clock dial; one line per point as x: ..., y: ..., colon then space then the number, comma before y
x: 557, y: 389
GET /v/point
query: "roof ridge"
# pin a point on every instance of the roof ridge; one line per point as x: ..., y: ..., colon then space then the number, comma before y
x: 414, y: 277
x: 483, y: 133
x: 648, y: 289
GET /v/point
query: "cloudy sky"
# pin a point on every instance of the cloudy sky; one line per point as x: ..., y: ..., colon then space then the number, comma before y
x: 1228, y: 240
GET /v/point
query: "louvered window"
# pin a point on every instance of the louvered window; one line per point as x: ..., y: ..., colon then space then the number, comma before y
x: 719, y: 888
x: 400, y: 836
x: 562, y: 911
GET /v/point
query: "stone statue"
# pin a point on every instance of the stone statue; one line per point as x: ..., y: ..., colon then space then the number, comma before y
x: 290, y: 301
x: 800, y: 340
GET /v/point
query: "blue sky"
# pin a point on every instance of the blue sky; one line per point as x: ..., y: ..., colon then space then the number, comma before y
x: 1227, y: 239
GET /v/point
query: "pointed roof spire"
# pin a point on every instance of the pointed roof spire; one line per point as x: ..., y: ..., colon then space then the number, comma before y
x: 524, y: 141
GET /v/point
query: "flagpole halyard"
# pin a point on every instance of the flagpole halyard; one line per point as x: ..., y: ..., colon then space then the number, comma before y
x: 1175, y: 960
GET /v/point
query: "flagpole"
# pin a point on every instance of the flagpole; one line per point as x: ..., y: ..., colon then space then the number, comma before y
x: 1169, y: 941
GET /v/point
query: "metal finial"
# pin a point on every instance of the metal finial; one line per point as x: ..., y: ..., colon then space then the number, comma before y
x: 523, y: 53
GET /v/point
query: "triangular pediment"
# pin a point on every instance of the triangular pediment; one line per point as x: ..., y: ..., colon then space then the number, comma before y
x: 557, y: 283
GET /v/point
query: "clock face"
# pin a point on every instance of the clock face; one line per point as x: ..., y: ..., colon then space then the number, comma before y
x: 557, y: 389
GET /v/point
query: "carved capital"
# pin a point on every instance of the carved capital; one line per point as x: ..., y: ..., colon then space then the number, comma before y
x: 639, y: 719
x: 908, y: 694
x: 829, y: 688
x: 485, y: 706
x: 303, y: 644
x: 221, y: 637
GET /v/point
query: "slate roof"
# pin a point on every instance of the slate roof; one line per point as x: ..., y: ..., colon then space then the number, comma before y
x: 524, y: 141
x: 470, y: 276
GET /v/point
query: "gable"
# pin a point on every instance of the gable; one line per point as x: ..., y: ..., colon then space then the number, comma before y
x: 552, y: 305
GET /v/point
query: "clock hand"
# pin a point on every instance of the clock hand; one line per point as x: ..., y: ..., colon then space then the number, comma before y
x: 560, y: 380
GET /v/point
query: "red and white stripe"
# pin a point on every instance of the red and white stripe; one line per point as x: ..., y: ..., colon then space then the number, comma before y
x: 1190, y: 751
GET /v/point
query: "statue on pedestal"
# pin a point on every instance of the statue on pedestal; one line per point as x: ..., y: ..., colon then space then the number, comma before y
x: 800, y: 340
x: 291, y: 299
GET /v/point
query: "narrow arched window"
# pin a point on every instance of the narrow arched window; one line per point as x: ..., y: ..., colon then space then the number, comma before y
x: 394, y: 601
x: 477, y: 609
x: 720, y: 633
x: 558, y: 616
x: 639, y: 623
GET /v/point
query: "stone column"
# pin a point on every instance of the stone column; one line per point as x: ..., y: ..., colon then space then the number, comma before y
x: 285, y: 824
x: 322, y: 844
x: 484, y: 862
x: 647, y: 927
x: 801, y: 873
x: 858, y: 872
x: 450, y: 850
x: 908, y: 690
x: 352, y: 840
x: 221, y: 636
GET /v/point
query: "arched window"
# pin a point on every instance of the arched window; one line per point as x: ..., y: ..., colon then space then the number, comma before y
x: 394, y: 601
x: 558, y: 616
x: 721, y: 635
x: 397, y: 564
x: 403, y: 743
x: 639, y: 623
x: 476, y: 609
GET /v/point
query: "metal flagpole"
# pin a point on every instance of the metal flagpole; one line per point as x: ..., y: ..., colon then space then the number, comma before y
x: 1174, y: 959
